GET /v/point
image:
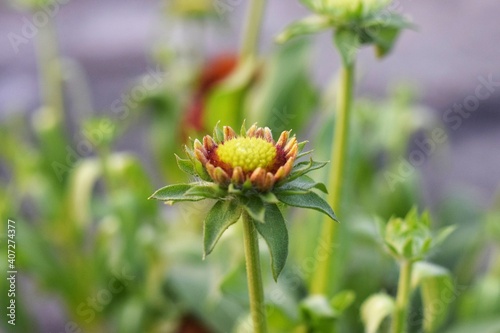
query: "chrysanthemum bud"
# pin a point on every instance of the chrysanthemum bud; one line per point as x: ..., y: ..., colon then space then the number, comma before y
x: 253, y: 157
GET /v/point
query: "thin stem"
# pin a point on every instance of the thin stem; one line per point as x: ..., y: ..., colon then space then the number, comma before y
x: 49, y: 66
x: 252, y: 28
x: 321, y: 282
x: 255, y: 287
x: 403, y: 298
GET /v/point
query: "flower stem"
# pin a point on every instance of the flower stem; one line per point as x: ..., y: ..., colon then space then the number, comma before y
x: 251, y: 31
x: 403, y: 298
x: 255, y: 287
x: 322, y: 278
x: 49, y: 67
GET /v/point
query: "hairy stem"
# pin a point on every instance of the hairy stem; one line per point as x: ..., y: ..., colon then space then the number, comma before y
x: 255, y: 287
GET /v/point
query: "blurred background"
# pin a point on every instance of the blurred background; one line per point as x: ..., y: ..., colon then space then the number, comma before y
x: 97, y: 96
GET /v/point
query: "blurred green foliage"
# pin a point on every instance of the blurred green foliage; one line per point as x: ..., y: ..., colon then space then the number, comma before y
x: 90, y: 242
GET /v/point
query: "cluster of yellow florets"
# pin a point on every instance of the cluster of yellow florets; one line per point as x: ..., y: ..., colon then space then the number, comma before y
x: 253, y: 157
x: 249, y: 153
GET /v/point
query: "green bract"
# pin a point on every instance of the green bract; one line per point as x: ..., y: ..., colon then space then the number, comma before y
x: 259, y: 193
x: 355, y: 23
x: 411, y: 238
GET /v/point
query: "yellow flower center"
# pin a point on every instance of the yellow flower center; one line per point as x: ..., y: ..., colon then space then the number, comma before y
x: 247, y: 153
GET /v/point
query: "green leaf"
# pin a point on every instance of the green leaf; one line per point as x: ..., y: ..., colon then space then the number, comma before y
x: 443, y: 234
x: 318, y: 306
x: 274, y: 232
x: 301, y: 146
x: 437, y: 288
x: 222, y: 215
x: 389, y: 20
x: 408, y: 249
x: 255, y: 208
x: 302, y: 168
x: 225, y: 101
x: 218, y: 134
x: 186, y: 166
x: 375, y: 309
x: 174, y: 193
x: 392, y: 250
x: 308, y: 25
x: 212, y: 191
x: 284, y: 97
x: 198, y: 167
x: 303, y: 183
x: 318, y: 314
x: 302, y: 154
x: 306, y: 200
x: 384, y: 40
x: 243, y: 130
x: 201, y: 171
x: 269, y: 197
x: 343, y: 300
x: 348, y: 43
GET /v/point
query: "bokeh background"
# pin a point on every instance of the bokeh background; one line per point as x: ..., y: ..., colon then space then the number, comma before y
x: 84, y: 227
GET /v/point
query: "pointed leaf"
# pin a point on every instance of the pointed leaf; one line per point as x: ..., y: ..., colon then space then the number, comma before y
x: 201, y: 171
x: 274, y: 232
x: 392, y: 250
x: 408, y: 249
x: 308, y: 25
x: 197, y: 166
x: 375, y: 309
x: 304, y: 154
x: 174, y: 193
x: 243, y: 130
x: 348, y: 43
x: 443, y: 234
x: 385, y: 42
x: 303, y: 183
x: 186, y: 166
x: 305, y: 167
x: 212, y: 191
x: 255, y: 208
x: 218, y: 135
x: 222, y: 215
x: 301, y: 146
x: 269, y: 197
x: 306, y: 200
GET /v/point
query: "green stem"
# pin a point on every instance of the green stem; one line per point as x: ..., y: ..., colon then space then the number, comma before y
x: 403, y: 299
x: 322, y: 277
x: 255, y: 287
x: 252, y: 28
x: 49, y: 67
